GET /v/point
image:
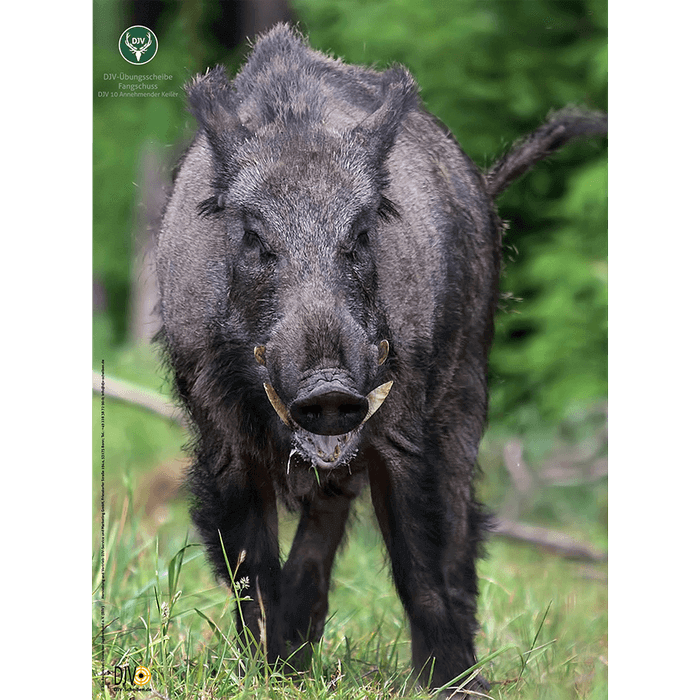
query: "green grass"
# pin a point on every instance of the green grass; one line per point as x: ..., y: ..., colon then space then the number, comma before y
x: 544, y: 616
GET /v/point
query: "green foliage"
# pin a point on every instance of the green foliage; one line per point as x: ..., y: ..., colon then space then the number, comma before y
x: 551, y: 349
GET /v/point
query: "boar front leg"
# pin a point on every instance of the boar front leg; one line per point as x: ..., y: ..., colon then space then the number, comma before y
x: 232, y: 510
x: 306, y: 574
x: 432, y: 529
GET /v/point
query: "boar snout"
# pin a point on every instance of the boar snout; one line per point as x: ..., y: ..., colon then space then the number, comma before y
x: 329, y: 409
x: 327, y: 415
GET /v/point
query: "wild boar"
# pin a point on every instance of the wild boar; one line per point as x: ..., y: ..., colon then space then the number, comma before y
x: 328, y: 266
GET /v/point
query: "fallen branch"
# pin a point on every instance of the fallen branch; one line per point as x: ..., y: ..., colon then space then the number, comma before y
x: 557, y: 542
x: 130, y: 393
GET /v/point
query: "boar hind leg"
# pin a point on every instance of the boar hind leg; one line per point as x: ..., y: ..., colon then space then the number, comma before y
x: 306, y: 573
x: 432, y: 531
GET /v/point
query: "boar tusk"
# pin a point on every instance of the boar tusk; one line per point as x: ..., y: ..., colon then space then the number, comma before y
x: 383, y: 352
x: 259, y: 353
x: 376, y: 399
x: 277, y: 404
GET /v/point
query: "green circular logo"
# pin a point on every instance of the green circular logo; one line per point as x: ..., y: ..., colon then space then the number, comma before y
x: 138, y: 45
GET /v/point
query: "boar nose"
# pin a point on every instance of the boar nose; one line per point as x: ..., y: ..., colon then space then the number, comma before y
x: 330, y: 409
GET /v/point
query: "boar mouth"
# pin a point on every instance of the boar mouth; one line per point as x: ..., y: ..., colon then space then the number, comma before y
x: 324, y: 450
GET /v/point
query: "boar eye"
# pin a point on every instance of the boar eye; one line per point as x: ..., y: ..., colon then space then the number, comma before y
x: 251, y: 237
x: 362, y: 239
x: 359, y: 243
x: 253, y: 241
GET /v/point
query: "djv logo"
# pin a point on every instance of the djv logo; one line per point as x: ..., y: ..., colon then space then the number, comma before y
x: 138, y: 45
x: 140, y: 676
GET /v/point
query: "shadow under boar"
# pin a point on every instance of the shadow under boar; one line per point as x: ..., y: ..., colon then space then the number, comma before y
x: 328, y: 253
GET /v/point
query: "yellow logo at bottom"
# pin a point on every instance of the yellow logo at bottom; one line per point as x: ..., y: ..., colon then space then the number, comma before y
x: 142, y: 676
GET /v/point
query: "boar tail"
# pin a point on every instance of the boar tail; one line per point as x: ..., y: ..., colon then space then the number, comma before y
x: 560, y: 128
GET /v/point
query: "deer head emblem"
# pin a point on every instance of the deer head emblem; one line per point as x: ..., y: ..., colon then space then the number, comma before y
x: 138, y: 52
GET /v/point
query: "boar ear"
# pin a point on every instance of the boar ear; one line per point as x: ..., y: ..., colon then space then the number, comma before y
x: 378, y: 131
x: 213, y: 101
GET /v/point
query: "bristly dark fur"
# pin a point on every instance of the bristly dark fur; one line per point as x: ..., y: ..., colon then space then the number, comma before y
x: 326, y: 239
